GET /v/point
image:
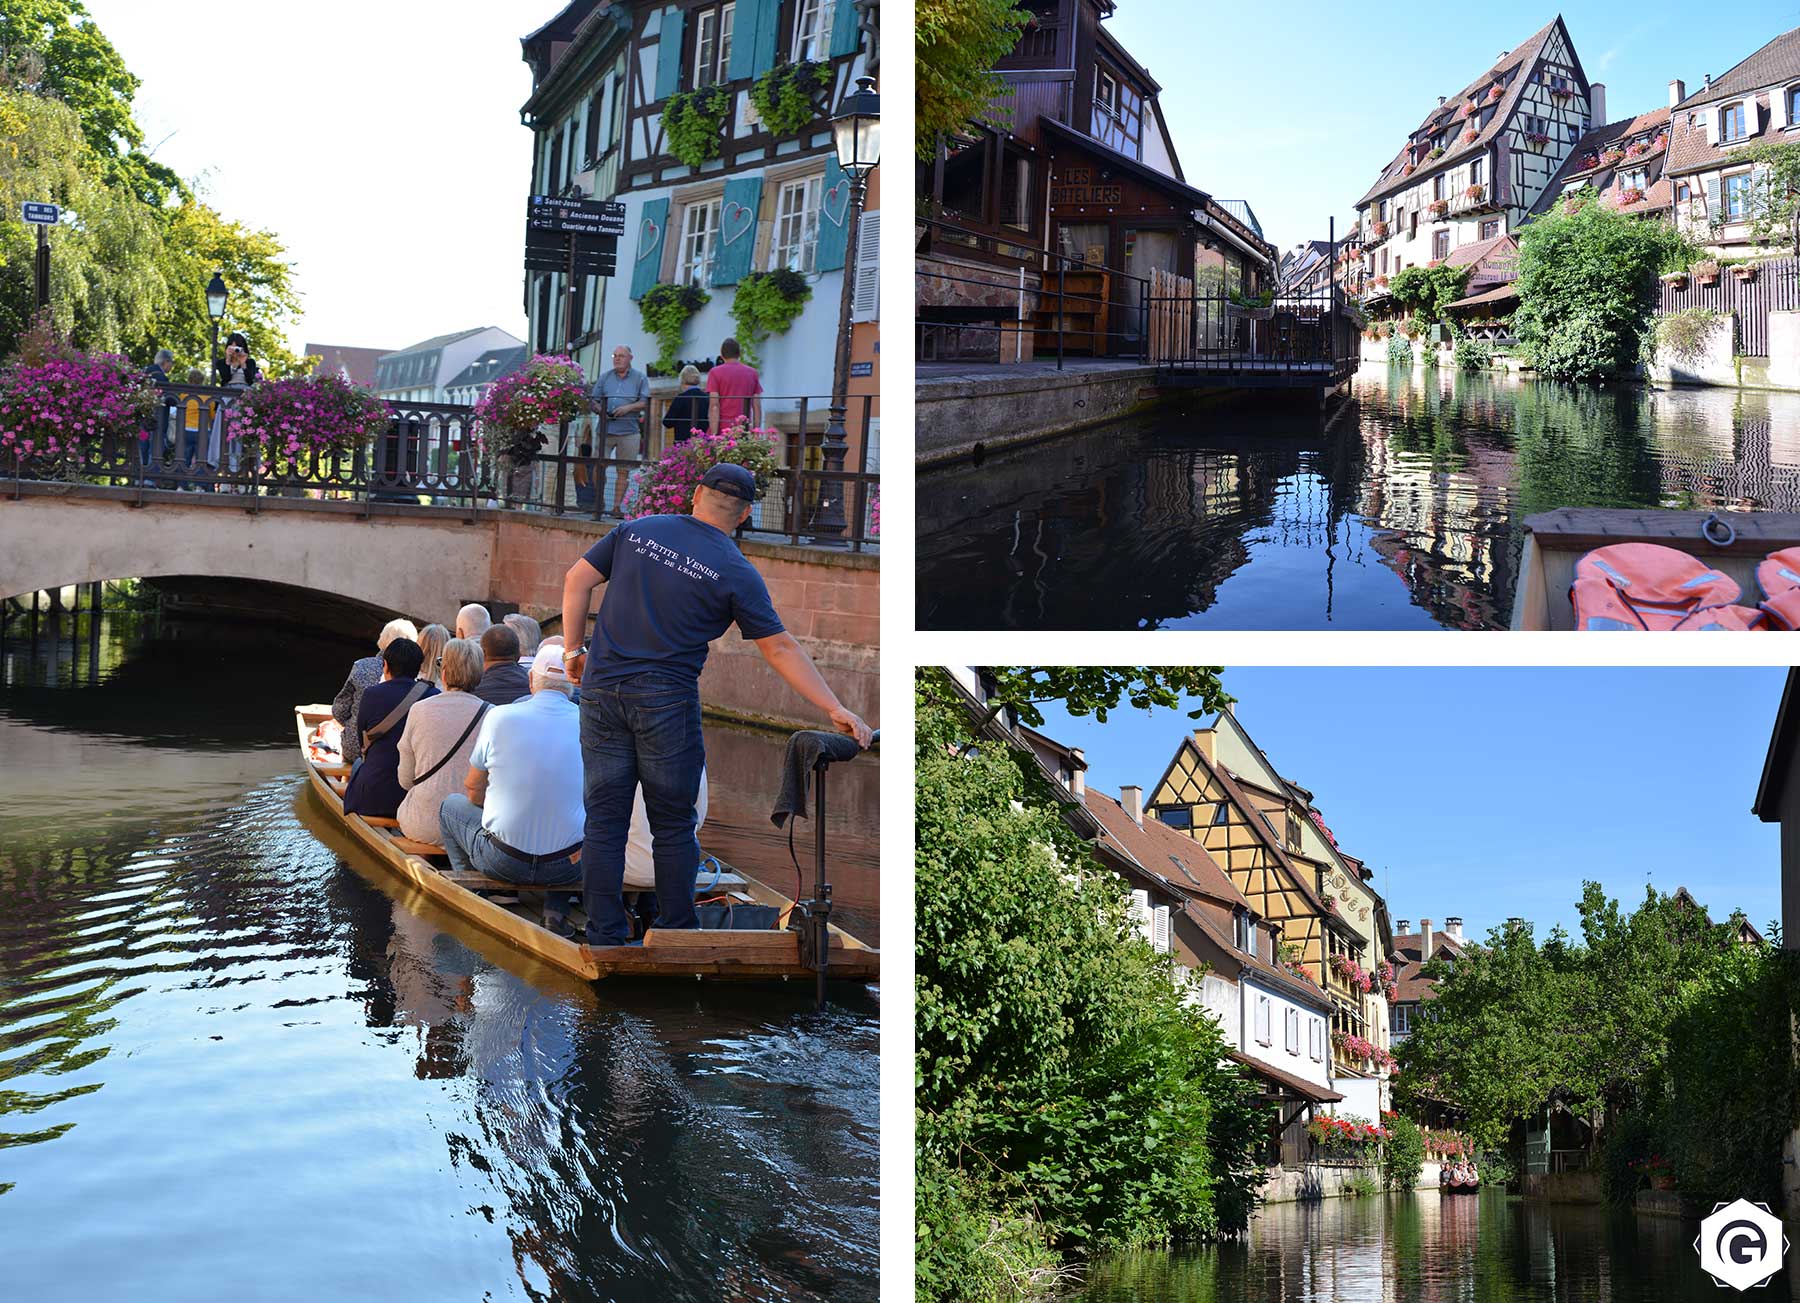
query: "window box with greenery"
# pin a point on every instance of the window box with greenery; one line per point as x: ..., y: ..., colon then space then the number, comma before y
x: 665, y: 310
x: 1744, y: 271
x: 1536, y: 139
x: 1474, y: 192
x: 694, y: 123
x: 1625, y: 196
x: 1378, y: 231
x: 1613, y: 157
x: 1257, y: 307
x: 1675, y: 280
x: 1705, y: 272
x: 1496, y: 91
x: 766, y: 304
x: 1637, y: 149
x: 1471, y: 136
x: 1437, y: 151
x: 787, y: 96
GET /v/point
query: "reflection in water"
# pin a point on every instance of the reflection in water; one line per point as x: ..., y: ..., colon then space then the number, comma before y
x: 232, y: 1054
x: 1422, y: 1248
x: 1405, y: 511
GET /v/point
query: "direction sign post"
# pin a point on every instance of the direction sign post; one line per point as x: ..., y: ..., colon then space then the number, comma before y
x: 43, y: 216
x: 578, y: 237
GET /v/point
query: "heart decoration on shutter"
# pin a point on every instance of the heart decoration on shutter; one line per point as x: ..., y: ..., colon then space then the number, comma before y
x: 735, y: 222
x: 839, y: 195
x: 649, y: 239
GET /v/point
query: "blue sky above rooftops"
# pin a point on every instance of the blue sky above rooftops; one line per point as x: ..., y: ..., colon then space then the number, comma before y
x: 1296, y: 107
x: 1486, y: 793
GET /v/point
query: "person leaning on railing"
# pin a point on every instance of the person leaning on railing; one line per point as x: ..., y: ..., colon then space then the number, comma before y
x: 673, y: 585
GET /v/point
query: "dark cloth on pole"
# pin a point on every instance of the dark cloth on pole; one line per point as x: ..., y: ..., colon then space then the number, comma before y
x: 803, y: 752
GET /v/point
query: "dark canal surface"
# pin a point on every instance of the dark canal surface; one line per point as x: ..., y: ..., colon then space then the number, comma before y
x: 1425, y: 1248
x: 1405, y: 510
x: 234, y: 1065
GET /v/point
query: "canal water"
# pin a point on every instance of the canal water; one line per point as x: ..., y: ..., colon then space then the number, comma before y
x: 1403, y: 509
x: 236, y: 1064
x: 1423, y: 1248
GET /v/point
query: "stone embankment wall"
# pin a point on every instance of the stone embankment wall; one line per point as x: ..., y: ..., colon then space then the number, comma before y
x: 1000, y: 408
x: 1313, y: 1181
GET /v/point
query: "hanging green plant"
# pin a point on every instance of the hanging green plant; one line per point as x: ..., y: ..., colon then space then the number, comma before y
x: 786, y: 95
x: 665, y: 310
x: 766, y: 304
x: 694, y: 123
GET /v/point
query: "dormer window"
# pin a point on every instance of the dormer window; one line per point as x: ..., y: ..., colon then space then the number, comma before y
x: 1731, y: 122
x: 1106, y: 92
x: 1793, y: 105
x: 1636, y: 179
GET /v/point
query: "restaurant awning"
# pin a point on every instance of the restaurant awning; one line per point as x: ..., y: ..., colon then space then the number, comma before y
x: 1286, y: 1084
x: 1487, y: 298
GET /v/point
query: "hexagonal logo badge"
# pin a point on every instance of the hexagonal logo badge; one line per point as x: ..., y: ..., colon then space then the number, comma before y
x: 1741, y: 1244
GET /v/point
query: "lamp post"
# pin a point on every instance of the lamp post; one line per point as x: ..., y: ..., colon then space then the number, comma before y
x: 216, y: 294
x: 856, y: 131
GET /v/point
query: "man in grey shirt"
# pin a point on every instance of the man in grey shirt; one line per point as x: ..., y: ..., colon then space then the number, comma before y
x: 621, y: 396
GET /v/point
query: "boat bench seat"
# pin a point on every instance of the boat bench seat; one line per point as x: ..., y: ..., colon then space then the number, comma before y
x: 481, y: 882
x: 412, y: 847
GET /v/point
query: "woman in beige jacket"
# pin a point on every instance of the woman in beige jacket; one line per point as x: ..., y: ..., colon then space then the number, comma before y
x: 434, y: 750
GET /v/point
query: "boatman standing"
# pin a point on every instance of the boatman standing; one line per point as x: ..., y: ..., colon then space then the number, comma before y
x: 673, y: 584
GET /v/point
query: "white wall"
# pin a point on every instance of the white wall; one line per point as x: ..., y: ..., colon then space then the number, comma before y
x: 1365, y: 1097
x: 1276, y: 1052
x: 457, y: 357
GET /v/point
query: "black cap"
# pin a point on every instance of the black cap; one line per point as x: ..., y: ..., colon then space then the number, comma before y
x: 729, y: 477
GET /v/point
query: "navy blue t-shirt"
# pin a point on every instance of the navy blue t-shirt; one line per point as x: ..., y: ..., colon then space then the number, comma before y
x: 673, y: 584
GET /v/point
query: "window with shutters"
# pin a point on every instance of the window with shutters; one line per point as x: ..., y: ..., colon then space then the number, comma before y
x: 1792, y: 95
x: 712, y: 44
x: 1490, y: 228
x: 1291, y: 1027
x: 1731, y: 122
x: 811, y: 30
x: 1736, y: 197
x: 796, y: 242
x: 1315, y: 1039
x: 865, y: 301
x: 1440, y: 245
x: 1262, y: 1020
x: 699, y: 235
x: 1475, y: 171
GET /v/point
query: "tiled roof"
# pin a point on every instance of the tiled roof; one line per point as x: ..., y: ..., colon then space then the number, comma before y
x: 1495, y: 260
x: 1411, y: 986
x: 1290, y: 1084
x: 1391, y: 178
x: 492, y: 365
x: 1585, y: 163
x: 1499, y: 294
x: 437, y: 341
x: 347, y: 359
x: 1164, y: 852
x: 1776, y: 62
x: 1690, y: 151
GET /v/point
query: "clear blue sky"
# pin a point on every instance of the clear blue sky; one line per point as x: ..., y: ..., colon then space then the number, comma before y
x: 1296, y: 106
x: 1492, y: 792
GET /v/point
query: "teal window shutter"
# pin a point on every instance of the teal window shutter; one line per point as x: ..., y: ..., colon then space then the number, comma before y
x: 653, y: 225
x: 768, y: 24
x: 834, y: 217
x: 746, y: 31
x: 668, y: 54
x: 846, y: 29
x: 735, y: 256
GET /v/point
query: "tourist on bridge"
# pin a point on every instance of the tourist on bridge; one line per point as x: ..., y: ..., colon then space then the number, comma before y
x: 437, y: 743
x: 236, y: 370
x: 673, y: 584
x: 364, y: 674
x: 519, y: 815
x: 621, y: 396
x: 189, y: 451
x: 688, y: 410
x: 375, y: 786
x: 154, y: 446
x: 734, y: 386
x: 531, y: 636
x: 503, y: 679
x: 473, y: 621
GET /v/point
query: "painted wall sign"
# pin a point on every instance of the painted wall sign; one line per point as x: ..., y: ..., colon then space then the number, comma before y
x: 1077, y: 185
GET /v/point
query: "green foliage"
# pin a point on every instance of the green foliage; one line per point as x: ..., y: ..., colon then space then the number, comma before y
x: 1424, y: 291
x: 786, y: 96
x: 970, y: 1244
x: 1253, y: 300
x: 1587, y: 287
x: 1096, y: 689
x: 694, y: 123
x: 1774, y: 201
x: 1058, y: 1070
x: 1360, y: 1186
x: 1682, y: 335
x: 1474, y: 355
x: 1399, y: 351
x: 765, y: 304
x: 1404, y: 1156
x: 665, y: 310
x: 957, y: 44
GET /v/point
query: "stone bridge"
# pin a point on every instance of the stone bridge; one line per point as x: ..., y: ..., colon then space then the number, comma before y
x: 425, y: 562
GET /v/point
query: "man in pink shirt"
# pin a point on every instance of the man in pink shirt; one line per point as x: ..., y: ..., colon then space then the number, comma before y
x: 734, y: 387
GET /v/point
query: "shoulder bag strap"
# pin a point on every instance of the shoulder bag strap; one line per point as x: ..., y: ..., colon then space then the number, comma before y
x: 454, y: 746
x: 398, y: 713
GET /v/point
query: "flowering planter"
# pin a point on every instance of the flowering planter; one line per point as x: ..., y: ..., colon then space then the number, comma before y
x: 1252, y: 314
x: 1745, y: 272
x: 1706, y: 274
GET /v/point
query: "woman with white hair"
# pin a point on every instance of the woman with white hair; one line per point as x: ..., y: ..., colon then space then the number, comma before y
x: 440, y: 734
x: 364, y: 674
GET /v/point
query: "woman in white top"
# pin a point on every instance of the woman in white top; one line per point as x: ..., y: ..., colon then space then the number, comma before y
x: 434, y: 750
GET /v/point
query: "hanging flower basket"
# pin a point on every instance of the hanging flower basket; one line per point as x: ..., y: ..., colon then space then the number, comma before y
x: 666, y: 487
x: 293, y: 425
x: 547, y: 390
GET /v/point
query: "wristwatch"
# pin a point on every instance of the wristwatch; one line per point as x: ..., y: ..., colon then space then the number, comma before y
x: 569, y: 655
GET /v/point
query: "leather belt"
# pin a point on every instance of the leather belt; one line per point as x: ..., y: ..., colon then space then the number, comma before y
x: 533, y: 860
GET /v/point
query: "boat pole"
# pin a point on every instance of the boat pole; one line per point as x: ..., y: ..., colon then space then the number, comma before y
x: 820, y: 914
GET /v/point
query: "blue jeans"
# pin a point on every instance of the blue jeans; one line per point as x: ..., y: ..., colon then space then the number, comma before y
x: 471, y: 850
x: 641, y: 731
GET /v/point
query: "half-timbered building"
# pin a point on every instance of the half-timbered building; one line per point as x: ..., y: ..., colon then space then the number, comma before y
x: 1480, y: 159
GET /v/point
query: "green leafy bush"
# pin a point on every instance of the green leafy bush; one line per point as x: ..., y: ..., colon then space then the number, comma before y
x: 1404, y: 1155
x: 766, y: 304
x: 1399, y: 351
x: 1424, y: 292
x: 1683, y: 335
x: 786, y: 96
x: 665, y: 310
x: 1360, y: 1186
x: 1474, y: 354
x: 694, y: 123
x: 970, y: 1244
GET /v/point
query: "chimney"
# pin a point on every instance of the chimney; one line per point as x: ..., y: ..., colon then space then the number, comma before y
x: 1403, y: 929
x: 1514, y: 923
x: 1078, y: 773
x: 1424, y: 940
x: 1597, y: 103
x: 1708, y: 85
x: 1677, y: 92
x: 1501, y: 57
x: 1441, y: 100
x: 1453, y: 928
x: 1132, y: 798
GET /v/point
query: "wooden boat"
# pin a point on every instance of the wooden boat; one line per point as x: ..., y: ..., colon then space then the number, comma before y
x: 1449, y: 1184
x: 1556, y: 540
x: 741, y: 955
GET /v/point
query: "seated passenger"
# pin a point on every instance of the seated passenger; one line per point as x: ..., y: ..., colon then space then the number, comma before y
x: 440, y: 734
x: 531, y: 636
x: 520, y: 814
x: 375, y: 786
x: 503, y: 679
x: 364, y: 674
x: 473, y: 621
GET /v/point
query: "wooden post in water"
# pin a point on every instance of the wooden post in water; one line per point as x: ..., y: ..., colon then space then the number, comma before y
x: 96, y: 606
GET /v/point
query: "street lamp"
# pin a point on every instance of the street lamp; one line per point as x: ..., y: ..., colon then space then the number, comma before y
x: 216, y: 294
x: 856, y: 131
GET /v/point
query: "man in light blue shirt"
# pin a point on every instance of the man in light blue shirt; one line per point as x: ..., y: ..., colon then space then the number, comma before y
x: 621, y: 396
x: 521, y: 814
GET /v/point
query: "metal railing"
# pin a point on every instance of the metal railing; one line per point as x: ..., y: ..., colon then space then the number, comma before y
x: 433, y: 455
x: 1310, y: 331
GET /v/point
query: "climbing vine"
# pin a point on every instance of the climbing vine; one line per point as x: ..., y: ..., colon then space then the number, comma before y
x: 766, y: 304
x: 785, y: 95
x: 665, y: 310
x: 695, y: 122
